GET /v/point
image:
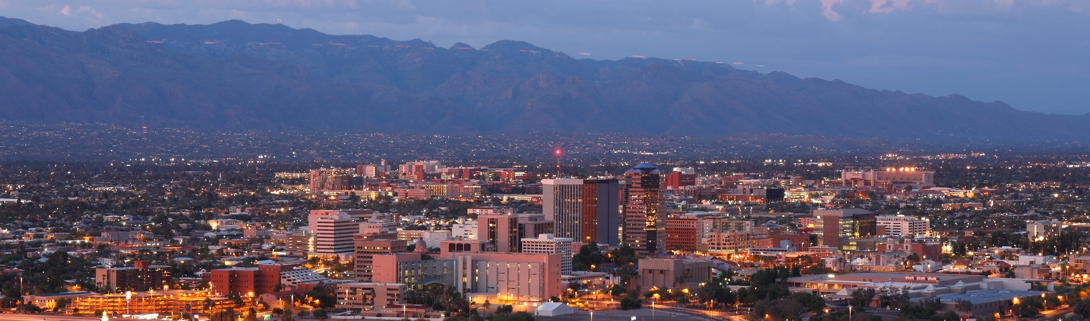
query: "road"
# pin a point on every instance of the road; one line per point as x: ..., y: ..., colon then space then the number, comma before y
x: 45, y: 317
x: 641, y: 315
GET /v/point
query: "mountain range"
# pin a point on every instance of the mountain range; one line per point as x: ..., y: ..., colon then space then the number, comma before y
x: 239, y: 76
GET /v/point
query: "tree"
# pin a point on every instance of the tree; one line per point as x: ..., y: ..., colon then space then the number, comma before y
x: 1082, y: 308
x: 589, y: 255
x: 861, y: 298
x: 965, y: 306
x: 631, y: 301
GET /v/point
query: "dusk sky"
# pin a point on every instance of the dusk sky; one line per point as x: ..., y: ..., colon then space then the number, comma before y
x: 1031, y: 54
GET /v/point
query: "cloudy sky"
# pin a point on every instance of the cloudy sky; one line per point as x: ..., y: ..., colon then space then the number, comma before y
x: 1031, y: 54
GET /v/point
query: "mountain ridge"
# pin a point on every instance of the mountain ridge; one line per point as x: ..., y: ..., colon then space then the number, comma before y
x: 238, y: 75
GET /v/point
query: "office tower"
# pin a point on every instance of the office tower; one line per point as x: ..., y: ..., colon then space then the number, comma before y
x: 831, y: 226
x: 333, y: 234
x: 584, y: 210
x: 365, y: 251
x: 644, y: 230
x: 898, y: 225
x: 504, y: 232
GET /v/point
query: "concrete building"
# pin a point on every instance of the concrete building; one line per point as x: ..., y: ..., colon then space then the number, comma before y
x: 333, y: 235
x: 367, y: 296
x: 465, y: 231
x: 508, y: 276
x: 366, y: 249
x: 674, y: 273
x: 727, y: 241
x: 583, y: 210
x: 410, y: 269
x: 888, y: 177
x: 139, y: 277
x: 504, y: 232
x: 643, y: 229
x: 299, y: 244
x: 985, y: 302
x: 899, y: 225
x: 431, y: 238
x: 330, y: 179
x: 683, y: 232
x: 550, y: 244
x: 244, y: 281
x: 833, y: 227
x: 1038, y: 231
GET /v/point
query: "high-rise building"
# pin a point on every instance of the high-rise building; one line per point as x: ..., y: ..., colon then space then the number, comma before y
x: 504, y: 232
x: 333, y: 235
x: 550, y: 244
x: 464, y: 231
x: 899, y: 225
x: 682, y: 232
x: 643, y: 229
x: 680, y: 177
x: 831, y: 226
x: 1043, y: 230
x: 299, y: 244
x: 584, y: 210
x: 330, y: 179
x: 366, y: 249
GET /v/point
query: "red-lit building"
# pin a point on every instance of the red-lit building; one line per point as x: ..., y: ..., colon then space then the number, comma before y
x: 139, y: 277
x: 260, y: 280
x: 676, y: 180
x: 682, y: 232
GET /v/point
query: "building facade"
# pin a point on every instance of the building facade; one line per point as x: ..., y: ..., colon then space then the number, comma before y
x: 366, y: 249
x: 643, y: 229
x: 898, y: 225
x: 550, y: 244
x: 139, y: 277
x: 583, y: 210
x: 368, y: 296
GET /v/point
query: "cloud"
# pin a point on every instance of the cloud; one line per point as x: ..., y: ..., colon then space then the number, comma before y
x: 1005, y: 4
x: 827, y: 9
x: 878, y: 6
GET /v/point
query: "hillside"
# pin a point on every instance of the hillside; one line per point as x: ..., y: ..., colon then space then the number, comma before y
x: 240, y: 76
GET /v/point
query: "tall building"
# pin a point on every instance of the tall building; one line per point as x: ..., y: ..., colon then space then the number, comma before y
x: 898, y: 225
x: 680, y: 177
x: 682, y: 232
x: 300, y: 244
x: 504, y: 232
x: 584, y: 210
x: 464, y: 231
x: 139, y: 277
x: 832, y: 226
x: 333, y: 235
x: 518, y: 276
x: 330, y: 179
x: 550, y: 244
x: 643, y: 229
x: 1038, y: 231
x: 365, y: 251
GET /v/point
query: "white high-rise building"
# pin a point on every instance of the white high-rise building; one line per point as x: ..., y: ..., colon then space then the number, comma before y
x: 465, y: 231
x: 550, y: 244
x: 897, y: 225
x: 333, y: 234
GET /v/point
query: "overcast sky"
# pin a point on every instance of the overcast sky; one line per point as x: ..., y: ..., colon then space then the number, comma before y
x: 1031, y: 54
